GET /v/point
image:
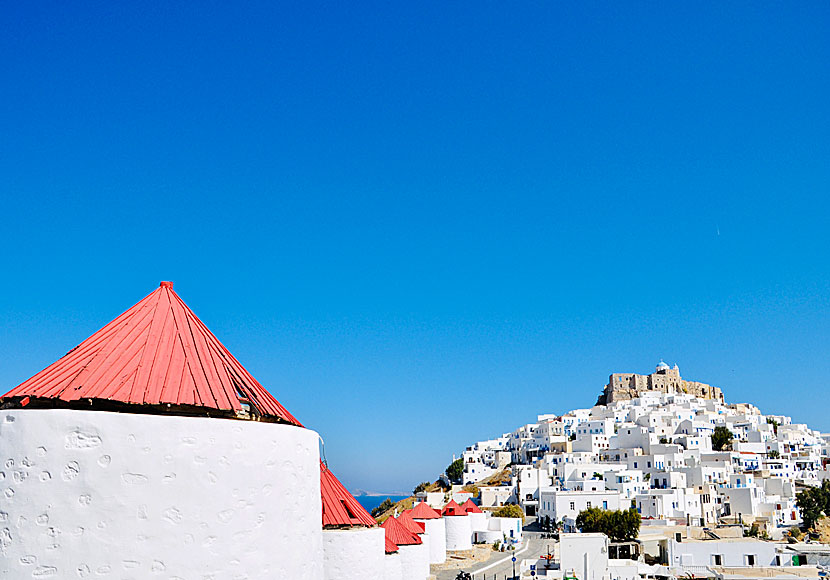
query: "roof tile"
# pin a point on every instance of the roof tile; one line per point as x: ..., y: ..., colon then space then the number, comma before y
x: 156, y: 353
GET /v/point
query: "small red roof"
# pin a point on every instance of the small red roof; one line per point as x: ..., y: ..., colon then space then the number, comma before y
x: 340, y: 508
x: 453, y: 509
x: 156, y: 353
x: 390, y: 545
x: 398, y: 534
x: 406, y: 519
x: 422, y: 511
x: 469, y: 507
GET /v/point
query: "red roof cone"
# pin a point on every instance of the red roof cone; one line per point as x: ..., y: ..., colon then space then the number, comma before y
x: 453, y: 509
x: 422, y: 511
x: 469, y: 507
x: 398, y: 534
x: 156, y: 353
x: 406, y: 520
x: 391, y: 547
x: 340, y: 508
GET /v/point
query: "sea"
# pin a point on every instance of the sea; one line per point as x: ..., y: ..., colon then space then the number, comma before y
x: 370, y: 502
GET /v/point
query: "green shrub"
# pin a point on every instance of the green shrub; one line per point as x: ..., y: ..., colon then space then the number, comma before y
x: 420, y: 487
x: 619, y: 525
x: 455, y: 470
x: 510, y: 511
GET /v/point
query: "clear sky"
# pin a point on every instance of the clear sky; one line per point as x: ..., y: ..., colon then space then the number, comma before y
x: 422, y: 224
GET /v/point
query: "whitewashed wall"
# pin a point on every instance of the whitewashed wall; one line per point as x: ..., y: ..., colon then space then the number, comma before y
x: 412, y: 562
x: 354, y: 554
x: 510, y: 527
x: 459, y: 533
x: 87, y: 494
x: 437, y: 533
x: 488, y: 536
x: 478, y: 521
x: 393, y: 567
x: 426, y: 542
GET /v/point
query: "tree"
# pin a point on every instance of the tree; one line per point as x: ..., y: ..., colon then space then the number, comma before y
x: 721, y: 438
x: 808, y: 504
x: 813, y: 503
x: 384, y: 506
x: 455, y: 470
x: 774, y: 423
x: 597, y: 475
x: 510, y: 511
x: 619, y: 525
x: 774, y: 454
x: 420, y: 487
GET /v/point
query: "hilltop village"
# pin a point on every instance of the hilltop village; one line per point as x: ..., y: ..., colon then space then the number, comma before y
x: 148, y: 451
x: 714, y: 485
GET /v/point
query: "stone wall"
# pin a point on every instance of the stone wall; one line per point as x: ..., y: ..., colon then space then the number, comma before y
x: 627, y: 386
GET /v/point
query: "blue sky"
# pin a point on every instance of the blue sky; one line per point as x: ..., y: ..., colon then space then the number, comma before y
x: 418, y: 224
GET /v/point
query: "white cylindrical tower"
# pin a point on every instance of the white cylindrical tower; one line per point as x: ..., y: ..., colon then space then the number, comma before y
x: 414, y: 554
x: 147, y: 450
x: 437, y: 533
x: 392, y: 566
x: 354, y: 554
x: 412, y: 562
x: 93, y: 492
x: 459, y: 533
x: 353, y: 545
x: 459, y: 530
x: 435, y: 529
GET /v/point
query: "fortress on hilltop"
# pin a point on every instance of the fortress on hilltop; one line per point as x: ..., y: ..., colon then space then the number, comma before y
x: 665, y: 379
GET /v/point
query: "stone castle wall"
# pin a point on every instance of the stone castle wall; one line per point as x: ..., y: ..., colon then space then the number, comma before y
x: 627, y: 386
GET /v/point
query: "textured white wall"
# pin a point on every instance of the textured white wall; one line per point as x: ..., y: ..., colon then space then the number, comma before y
x: 354, y: 554
x: 488, y: 536
x: 412, y: 562
x: 437, y: 540
x: 478, y: 521
x: 424, y: 553
x: 392, y: 567
x: 459, y: 533
x: 87, y: 494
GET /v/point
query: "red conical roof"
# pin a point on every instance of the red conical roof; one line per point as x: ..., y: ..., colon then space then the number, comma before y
x: 422, y: 511
x: 398, y: 534
x: 406, y: 520
x: 391, y: 546
x: 340, y: 508
x: 156, y: 353
x: 453, y: 509
x: 469, y: 507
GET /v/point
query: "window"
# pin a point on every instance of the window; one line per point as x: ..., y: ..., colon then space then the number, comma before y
x: 717, y: 560
x: 573, y: 507
x: 605, y: 505
x: 749, y: 559
x: 588, y: 505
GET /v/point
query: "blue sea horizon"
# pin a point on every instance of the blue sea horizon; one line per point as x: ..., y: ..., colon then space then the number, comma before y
x: 370, y: 502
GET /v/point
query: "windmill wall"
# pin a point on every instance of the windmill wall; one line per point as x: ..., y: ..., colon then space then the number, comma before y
x: 98, y: 494
x: 354, y: 554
